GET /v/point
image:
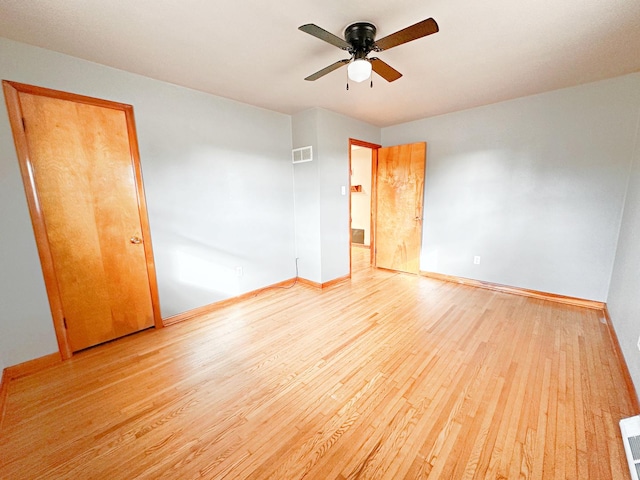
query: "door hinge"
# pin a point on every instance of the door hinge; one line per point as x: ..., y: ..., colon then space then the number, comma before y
x: 24, y: 124
x: 64, y: 320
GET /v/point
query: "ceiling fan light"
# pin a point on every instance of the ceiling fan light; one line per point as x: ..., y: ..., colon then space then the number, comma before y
x: 359, y: 70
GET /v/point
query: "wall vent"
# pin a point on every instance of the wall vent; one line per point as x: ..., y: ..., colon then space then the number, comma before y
x: 301, y: 155
x: 630, y: 428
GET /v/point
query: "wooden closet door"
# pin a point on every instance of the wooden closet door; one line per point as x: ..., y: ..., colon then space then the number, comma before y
x: 399, y: 192
x: 81, y: 165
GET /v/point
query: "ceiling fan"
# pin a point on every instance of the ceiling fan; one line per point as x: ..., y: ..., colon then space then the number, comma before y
x: 360, y: 40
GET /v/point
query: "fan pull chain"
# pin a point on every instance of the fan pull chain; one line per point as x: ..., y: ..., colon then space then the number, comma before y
x: 347, y: 86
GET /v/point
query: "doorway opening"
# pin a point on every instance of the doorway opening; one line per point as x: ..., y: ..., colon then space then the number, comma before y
x: 362, y: 169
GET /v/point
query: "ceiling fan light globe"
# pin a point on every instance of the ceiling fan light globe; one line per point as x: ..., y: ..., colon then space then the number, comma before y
x: 359, y: 70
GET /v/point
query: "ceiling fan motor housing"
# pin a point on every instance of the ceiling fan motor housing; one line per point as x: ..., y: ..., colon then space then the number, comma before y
x: 362, y: 38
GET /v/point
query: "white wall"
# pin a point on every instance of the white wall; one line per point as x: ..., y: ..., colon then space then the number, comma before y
x: 217, y: 175
x: 218, y: 184
x: 307, y: 197
x: 322, y: 211
x: 534, y: 186
x: 361, y: 201
x: 623, y: 302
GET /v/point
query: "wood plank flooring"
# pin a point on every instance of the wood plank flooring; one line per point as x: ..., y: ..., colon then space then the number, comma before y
x: 388, y: 376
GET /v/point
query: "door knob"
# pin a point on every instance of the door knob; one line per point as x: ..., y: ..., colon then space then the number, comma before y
x: 135, y: 240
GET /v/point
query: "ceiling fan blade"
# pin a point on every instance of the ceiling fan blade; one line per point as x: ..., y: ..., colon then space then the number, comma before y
x: 325, y: 70
x: 322, y: 34
x: 419, y: 30
x: 385, y: 70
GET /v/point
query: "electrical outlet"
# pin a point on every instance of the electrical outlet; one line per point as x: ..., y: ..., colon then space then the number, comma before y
x: 239, y: 272
x: 638, y: 343
x: 476, y: 260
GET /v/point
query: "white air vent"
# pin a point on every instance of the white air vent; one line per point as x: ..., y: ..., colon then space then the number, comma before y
x: 630, y: 428
x: 301, y: 155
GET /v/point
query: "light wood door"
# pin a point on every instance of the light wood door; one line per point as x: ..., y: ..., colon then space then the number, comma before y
x: 83, y: 174
x: 399, y: 193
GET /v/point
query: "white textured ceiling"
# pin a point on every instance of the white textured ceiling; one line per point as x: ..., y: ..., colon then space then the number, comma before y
x: 253, y: 52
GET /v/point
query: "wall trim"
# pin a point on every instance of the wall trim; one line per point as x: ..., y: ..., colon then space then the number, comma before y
x: 22, y: 370
x: 205, y: 309
x: 309, y: 283
x: 623, y: 363
x: 552, y: 297
x: 330, y: 283
x: 32, y: 366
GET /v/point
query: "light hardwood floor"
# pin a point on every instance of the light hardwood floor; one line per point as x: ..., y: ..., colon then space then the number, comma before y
x: 385, y: 376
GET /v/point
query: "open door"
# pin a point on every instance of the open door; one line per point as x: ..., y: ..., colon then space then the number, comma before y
x: 398, y: 211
